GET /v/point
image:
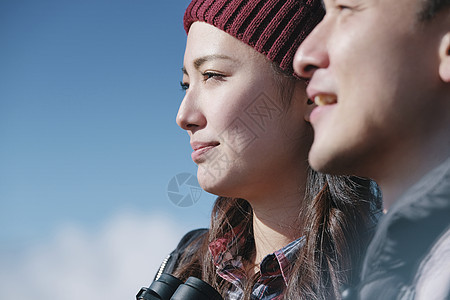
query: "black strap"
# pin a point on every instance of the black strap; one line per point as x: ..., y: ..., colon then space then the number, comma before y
x: 171, y: 262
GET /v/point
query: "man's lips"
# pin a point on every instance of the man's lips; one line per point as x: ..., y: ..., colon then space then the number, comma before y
x: 325, y: 99
x: 322, y: 92
x: 325, y: 103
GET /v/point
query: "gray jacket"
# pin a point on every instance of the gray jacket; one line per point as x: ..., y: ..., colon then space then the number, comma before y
x: 409, y: 256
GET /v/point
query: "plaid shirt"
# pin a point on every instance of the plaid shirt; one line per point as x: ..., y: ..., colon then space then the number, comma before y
x: 274, y: 268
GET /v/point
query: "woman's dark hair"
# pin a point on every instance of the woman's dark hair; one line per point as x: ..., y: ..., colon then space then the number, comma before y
x: 340, y: 217
x: 338, y: 220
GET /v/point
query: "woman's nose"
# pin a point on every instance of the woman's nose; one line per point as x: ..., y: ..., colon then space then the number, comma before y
x: 190, y: 116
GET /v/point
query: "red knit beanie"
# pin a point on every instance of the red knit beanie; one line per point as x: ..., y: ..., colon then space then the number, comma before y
x: 273, y: 27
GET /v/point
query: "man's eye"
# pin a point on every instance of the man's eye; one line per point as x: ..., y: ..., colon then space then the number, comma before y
x: 184, y: 85
x: 343, y: 7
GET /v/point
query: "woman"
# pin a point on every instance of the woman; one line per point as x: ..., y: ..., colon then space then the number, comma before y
x: 298, y: 234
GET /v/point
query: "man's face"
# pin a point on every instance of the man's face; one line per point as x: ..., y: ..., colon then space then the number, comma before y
x: 373, y: 69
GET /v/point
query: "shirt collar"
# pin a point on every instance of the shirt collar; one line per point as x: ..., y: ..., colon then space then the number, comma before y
x: 281, y: 261
x: 226, y: 254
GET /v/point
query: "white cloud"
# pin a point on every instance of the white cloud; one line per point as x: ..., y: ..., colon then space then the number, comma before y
x: 112, y: 263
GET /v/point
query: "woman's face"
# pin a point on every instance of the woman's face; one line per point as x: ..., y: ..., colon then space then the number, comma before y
x: 247, y: 140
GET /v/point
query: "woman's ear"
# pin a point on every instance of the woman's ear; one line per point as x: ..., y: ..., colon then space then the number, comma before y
x: 444, y: 57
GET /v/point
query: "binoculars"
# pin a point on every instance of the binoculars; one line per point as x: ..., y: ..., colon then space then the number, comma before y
x: 168, y: 287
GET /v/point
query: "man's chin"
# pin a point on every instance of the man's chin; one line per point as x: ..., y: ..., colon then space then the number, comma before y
x: 318, y: 160
x: 326, y: 161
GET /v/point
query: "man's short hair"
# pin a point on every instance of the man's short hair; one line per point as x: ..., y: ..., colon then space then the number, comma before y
x: 431, y: 8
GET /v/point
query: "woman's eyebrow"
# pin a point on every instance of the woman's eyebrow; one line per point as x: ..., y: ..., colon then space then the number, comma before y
x: 201, y: 60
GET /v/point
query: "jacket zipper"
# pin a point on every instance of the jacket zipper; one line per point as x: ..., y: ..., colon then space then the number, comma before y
x: 162, y: 267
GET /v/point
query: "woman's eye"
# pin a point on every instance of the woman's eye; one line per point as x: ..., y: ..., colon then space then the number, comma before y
x: 184, y: 85
x: 209, y: 75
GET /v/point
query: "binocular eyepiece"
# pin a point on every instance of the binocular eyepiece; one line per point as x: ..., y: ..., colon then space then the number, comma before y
x: 168, y: 287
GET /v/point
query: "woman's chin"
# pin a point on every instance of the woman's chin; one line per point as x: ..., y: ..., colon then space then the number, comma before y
x: 215, y: 187
x: 224, y: 182
x: 211, y: 187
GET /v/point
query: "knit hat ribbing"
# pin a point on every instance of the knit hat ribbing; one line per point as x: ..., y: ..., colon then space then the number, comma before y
x: 274, y: 28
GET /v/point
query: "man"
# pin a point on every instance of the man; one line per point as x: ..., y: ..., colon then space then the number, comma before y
x: 380, y: 75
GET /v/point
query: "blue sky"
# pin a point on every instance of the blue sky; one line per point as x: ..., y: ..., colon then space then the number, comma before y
x: 89, y: 91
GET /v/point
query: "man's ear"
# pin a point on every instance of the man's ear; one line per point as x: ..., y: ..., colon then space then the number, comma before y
x: 444, y: 57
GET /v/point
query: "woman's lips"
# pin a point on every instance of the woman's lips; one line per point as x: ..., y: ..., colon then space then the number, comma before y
x: 200, y: 149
